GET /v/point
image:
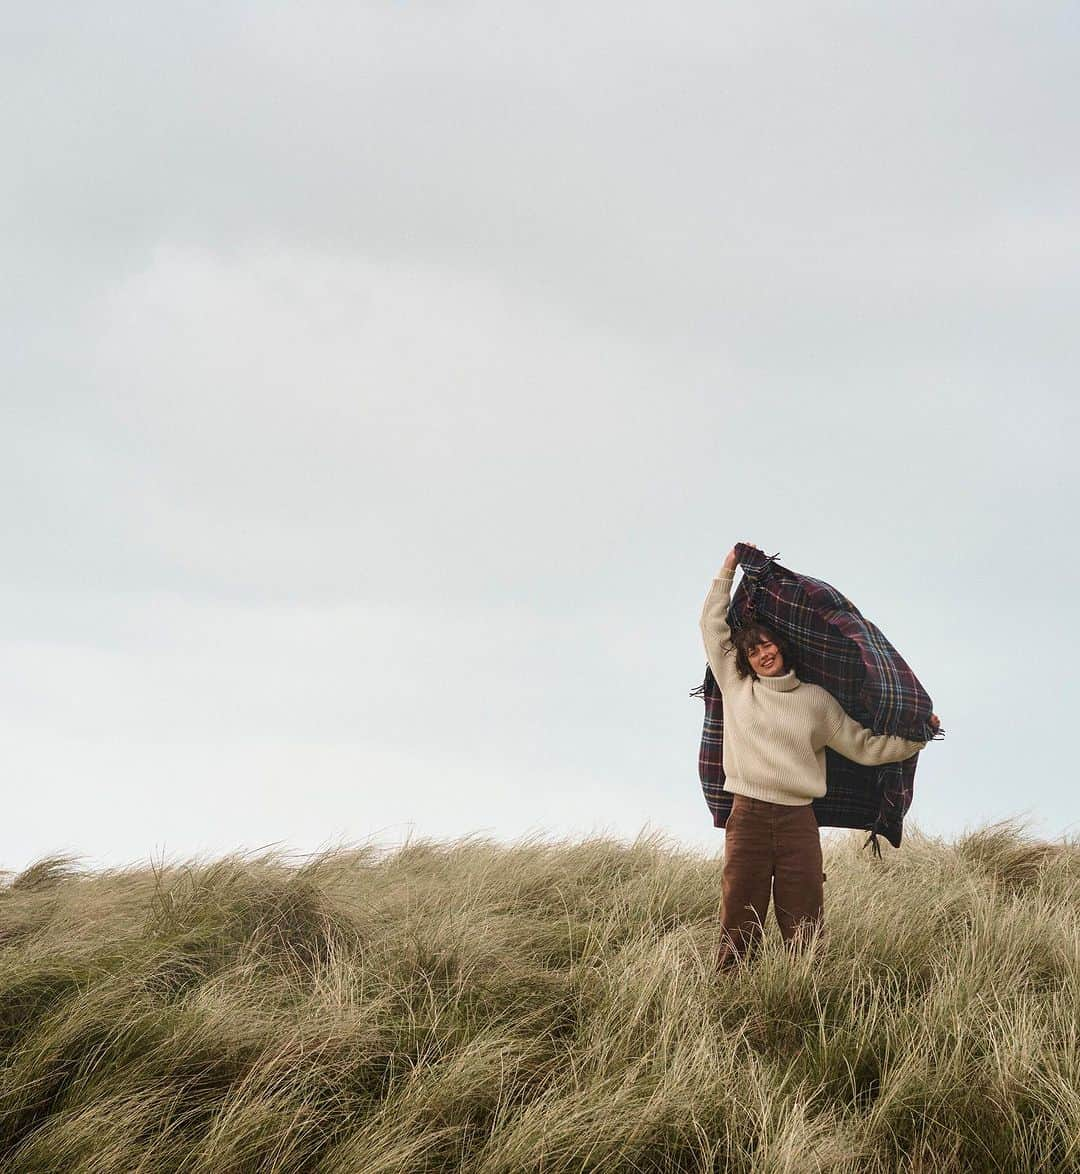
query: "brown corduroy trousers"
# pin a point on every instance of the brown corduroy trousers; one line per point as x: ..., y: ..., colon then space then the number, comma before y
x: 769, y: 847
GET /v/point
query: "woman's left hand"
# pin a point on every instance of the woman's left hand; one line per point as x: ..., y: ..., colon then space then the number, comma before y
x: 935, y: 722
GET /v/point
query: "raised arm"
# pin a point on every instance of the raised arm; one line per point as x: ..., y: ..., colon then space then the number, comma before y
x: 864, y: 746
x: 714, y: 626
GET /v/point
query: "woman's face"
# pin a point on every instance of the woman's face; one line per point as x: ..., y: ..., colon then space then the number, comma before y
x: 765, y: 658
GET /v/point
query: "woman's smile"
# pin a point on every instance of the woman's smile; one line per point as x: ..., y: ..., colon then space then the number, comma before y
x: 766, y: 659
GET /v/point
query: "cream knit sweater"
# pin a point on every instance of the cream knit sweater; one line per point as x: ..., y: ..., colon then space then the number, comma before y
x: 776, y: 728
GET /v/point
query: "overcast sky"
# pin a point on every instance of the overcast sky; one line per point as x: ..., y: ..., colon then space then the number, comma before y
x: 384, y: 383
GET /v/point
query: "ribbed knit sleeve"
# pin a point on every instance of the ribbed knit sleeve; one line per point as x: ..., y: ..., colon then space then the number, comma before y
x: 715, y: 631
x: 862, y: 745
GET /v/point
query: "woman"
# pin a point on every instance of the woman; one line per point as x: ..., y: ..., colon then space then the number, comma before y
x: 776, y: 728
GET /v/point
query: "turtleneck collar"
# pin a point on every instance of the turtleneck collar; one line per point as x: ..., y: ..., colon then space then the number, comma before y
x: 782, y: 684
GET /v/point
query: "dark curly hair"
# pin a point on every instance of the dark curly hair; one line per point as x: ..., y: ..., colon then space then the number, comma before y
x: 753, y: 632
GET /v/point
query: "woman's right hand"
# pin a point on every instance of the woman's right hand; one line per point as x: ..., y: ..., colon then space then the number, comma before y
x: 732, y: 560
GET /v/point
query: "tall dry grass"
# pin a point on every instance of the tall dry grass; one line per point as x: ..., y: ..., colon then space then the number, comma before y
x: 545, y: 1007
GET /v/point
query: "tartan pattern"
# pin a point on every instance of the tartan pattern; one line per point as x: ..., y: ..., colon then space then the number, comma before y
x: 841, y: 650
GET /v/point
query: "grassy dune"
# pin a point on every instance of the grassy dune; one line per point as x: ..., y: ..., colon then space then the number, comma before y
x: 547, y: 1007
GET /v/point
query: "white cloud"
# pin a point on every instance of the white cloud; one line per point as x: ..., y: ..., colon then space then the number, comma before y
x: 368, y: 350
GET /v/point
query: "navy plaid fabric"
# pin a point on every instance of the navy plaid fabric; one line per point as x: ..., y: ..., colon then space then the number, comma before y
x: 841, y: 650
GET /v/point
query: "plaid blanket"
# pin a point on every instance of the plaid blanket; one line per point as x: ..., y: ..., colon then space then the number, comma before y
x: 841, y: 650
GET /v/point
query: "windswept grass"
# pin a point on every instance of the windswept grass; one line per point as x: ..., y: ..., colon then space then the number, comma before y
x: 546, y: 1007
